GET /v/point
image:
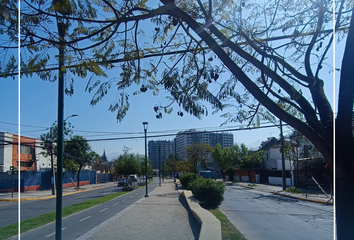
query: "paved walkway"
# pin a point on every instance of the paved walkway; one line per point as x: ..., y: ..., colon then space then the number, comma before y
x: 45, y: 194
x: 162, y: 215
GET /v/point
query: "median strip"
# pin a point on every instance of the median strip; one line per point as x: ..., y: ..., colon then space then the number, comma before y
x: 43, y: 219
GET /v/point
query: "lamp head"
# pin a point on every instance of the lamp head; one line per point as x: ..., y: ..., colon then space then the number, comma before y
x: 145, y: 125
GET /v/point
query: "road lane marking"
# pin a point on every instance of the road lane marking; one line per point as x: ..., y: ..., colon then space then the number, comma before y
x: 103, y: 210
x: 136, y: 194
x: 84, y: 218
x: 131, y: 196
x: 50, y: 234
x: 53, y: 233
x: 115, y: 203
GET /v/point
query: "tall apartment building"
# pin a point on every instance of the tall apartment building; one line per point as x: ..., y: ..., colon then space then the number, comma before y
x: 160, y: 149
x: 186, y: 138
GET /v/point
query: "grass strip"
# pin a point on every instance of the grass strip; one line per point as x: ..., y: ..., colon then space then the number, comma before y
x: 43, y: 219
x: 228, y: 231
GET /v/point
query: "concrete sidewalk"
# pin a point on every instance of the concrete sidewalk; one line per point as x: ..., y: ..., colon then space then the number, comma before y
x: 162, y: 215
x: 318, y: 197
x: 45, y: 194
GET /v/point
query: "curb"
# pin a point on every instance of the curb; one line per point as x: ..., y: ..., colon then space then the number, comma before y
x: 48, y: 197
x: 210, y: 226
x: 289, y: 196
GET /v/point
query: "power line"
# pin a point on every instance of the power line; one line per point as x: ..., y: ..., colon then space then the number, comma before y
x: 174, y: 134
x: 23, y: 125
x: 42, y: 144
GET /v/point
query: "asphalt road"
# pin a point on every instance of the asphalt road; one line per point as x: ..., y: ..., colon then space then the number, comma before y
x: 259, y: 215
x: 77, y: 224
x: 30, y: 209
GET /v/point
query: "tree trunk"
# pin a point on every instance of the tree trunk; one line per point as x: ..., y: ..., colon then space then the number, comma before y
x: 78, y: 177
x: 344, y: 196
x: 344, y: 188
x: 231, y: 174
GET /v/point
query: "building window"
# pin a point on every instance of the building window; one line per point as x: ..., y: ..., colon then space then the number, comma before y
x: 25, y: 149
x: 25, y: 164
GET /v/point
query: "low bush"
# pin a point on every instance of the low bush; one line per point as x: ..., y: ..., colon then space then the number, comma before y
x: 141, y: 184
x: 127, y: 188
x: 293, y: 189
x: 187, y: 178
x: 209, y: 193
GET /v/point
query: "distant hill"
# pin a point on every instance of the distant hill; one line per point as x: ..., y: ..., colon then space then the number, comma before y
x: 252, y: 146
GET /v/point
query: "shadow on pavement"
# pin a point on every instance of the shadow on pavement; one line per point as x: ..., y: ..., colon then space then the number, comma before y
x: 277, y: 198
x: 167, y: 195
x: 195, y: 226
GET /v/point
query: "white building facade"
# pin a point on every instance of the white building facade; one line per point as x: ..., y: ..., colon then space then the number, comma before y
x: 187, y: 138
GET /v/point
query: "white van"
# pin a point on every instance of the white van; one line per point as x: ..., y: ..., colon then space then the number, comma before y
x: 133, y: 178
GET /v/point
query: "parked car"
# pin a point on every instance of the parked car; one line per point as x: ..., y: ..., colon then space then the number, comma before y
x: 122, y: 182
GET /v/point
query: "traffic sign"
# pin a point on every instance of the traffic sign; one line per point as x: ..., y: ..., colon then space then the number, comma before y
x: 198, y: 165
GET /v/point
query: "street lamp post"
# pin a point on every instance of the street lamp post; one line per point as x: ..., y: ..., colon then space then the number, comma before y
x: 73, y: 115
x: 159, y: 165
x: 51, y: 154
x: 145, y: 124
x: 60, y: 148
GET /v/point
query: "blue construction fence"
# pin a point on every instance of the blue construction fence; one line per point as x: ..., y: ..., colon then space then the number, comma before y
x: 30, y: 181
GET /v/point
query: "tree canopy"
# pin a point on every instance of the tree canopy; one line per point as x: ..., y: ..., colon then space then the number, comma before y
x: 198, y: 152
x: 237, y: 157
x: 127, y: 164
x: 263, y: 60
x: 77, y: 154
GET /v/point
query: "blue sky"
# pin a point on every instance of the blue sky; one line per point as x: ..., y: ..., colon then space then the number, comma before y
x: 38, y: 101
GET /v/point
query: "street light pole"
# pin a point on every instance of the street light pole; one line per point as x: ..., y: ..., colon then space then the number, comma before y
x: 145, y: 124
x: 159, y: 165
x: 59, y: 182
x: 282, y: 157
x: 53, y: 182
x: 73, y: 115
x: 52, y: 161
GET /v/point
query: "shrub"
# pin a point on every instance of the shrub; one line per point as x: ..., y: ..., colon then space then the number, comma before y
x: 127, y: 188
x: 293, y: 189
x: 186, y: 178
x: 210, y: 194
x: 141, y: 184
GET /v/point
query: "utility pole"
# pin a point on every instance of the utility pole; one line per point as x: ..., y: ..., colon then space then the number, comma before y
x: 163, y: 168
x: 52, y: 161
x: 282, y: 156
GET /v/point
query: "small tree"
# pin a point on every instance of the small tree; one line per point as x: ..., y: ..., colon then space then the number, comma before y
x: 127, y: 164
x: 52, y: 136
x: 198, y: 152
x: 103, y: 158
x: 182, y: 166
x: 222, y: 159
x: 77, y: 153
